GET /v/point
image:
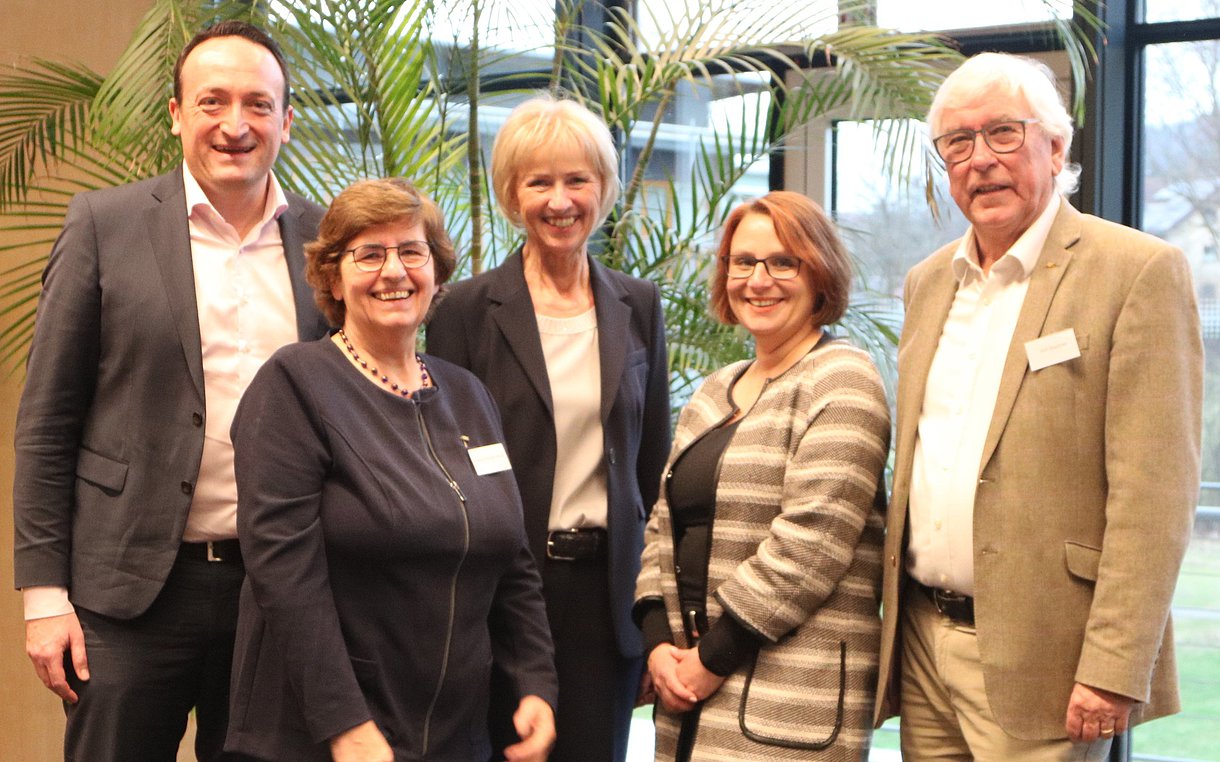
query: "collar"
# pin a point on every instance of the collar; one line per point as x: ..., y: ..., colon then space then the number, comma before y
x: 1018, y: 262
x: 197, y: 201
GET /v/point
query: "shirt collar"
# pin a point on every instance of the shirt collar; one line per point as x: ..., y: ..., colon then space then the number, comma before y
x: 1018, y: 262
x: 197, y: 200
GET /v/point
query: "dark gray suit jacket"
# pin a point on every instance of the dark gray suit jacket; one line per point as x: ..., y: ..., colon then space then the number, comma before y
x: 487, y: 324
x: 111, y: 422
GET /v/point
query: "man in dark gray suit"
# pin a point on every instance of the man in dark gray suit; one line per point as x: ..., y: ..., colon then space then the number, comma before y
x: 160, y: 301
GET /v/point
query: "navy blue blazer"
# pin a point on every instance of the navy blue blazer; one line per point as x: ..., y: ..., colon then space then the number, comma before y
x: 487, y: 324
x: 111, y: 423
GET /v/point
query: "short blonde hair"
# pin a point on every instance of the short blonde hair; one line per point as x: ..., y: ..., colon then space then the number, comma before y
x: 806, y: 233
x: 536, y: 126
x: 363, y: 205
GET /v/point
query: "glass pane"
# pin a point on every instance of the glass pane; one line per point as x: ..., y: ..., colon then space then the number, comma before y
x: 519, y: 25
x: 967, y: 14
x: 674, y: 24
x: 1181, y: 204
x: 1180, y: 10
x: 886, y: 222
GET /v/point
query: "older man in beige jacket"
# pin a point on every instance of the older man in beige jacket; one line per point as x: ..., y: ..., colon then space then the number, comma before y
x: 1050, y: 383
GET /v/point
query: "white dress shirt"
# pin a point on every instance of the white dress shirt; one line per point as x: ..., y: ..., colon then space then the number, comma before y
x: 246, y: 312
x: 959, y: 402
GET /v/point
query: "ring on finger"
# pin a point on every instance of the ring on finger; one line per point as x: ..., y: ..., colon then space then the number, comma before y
x: 1106, y: 733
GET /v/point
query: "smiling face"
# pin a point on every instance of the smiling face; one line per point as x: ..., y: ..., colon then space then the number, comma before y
x: 1002, y: 194
x: 232, y: 118
x: 557, y: 197
x: 775, y: 312
x: 387, y: 306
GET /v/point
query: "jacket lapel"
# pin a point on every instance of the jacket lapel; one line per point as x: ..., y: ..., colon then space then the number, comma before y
x: 294, y: 255
x: 512, y: 310
x: 1043, y: 283
x: 613, y: 320
x: 170, y: 243
x: 928, y: 304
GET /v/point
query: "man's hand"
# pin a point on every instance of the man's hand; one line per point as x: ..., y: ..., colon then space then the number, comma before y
x: 363, y: 743
x: 46, y: 642
x: 663, y: 666
x: 694, y: 675
x: 535, y: 724
x: 1094, y: 713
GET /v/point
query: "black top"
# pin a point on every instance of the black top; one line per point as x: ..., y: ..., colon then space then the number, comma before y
x: 691, y: 490
x: 384, y: 574
x: 692, y: 505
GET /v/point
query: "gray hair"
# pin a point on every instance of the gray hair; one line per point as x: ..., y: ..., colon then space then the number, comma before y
x: 1015, y: 76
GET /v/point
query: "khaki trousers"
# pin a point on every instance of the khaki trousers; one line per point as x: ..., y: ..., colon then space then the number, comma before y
x: 945, y: 714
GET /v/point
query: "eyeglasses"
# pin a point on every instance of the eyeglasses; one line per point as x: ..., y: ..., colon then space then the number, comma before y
x: 780, y: 267
x: 1001, y: 137
x: 371, y: 257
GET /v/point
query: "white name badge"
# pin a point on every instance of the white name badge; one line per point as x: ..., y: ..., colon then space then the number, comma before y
x: 1052, y: 349
x: 489, y: 459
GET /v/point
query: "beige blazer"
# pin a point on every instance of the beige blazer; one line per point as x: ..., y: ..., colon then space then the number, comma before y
x: 1088, y: 480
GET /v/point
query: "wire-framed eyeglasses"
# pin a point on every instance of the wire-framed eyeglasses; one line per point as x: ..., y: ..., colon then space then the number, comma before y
x: 371, y: 257
x: 1004, y: 136
x: 779, y: 267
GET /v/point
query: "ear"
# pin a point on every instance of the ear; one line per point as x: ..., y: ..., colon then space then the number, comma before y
x: 1058, y: 156
x: 287, y: 127
x: 175, y: 116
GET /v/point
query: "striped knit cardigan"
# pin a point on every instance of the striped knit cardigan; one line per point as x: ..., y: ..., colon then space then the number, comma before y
x: 795, y: 555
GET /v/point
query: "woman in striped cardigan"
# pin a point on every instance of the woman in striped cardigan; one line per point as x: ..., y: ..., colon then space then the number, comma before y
x: 759, y: 588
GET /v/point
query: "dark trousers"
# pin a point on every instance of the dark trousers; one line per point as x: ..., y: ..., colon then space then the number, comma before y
x: 147, y: 673
x: 597, y: 686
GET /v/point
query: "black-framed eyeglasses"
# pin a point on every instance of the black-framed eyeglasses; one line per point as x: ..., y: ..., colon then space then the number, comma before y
x: 371, y: 257
x: 779, y: 267
x: 1001, y: 137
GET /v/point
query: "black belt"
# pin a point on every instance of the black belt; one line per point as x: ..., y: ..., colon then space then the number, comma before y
x: 955, y: 606
x: 575, y: 544
x: 216, y: 551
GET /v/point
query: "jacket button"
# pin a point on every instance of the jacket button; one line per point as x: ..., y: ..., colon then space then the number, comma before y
x: 197, y: 419
x: 894, y: 561
x: 187, y: 488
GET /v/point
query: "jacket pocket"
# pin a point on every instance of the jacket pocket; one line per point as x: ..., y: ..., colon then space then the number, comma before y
x: 771, y: 713
x: 101, y: 471
x: 1082, y: 560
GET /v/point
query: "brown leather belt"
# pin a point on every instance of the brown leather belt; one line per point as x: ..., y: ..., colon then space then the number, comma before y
x: 959, y: 608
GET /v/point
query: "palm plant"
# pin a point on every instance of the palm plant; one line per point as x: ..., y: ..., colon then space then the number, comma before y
x: 386, y: 87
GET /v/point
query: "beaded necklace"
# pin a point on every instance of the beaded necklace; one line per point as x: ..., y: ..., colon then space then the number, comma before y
x: 424, y: 378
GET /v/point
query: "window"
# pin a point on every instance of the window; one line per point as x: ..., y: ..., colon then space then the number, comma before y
x: 967, y: 14
x: 1181, y: 198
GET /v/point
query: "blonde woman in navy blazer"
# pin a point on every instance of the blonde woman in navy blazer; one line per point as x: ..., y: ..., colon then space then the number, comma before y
x: 554, y: 173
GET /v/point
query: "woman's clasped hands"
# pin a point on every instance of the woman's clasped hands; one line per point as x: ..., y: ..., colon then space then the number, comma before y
x: 679, y: 677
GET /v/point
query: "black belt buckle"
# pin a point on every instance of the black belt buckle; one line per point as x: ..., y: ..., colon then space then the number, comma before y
x: 574, y: 544
x: 955, y: 606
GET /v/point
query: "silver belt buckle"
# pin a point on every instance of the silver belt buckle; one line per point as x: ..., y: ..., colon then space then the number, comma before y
x: 212, y: 554
x: 551, y: 553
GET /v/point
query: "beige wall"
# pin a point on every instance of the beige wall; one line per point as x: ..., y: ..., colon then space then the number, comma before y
x: 93, y: 33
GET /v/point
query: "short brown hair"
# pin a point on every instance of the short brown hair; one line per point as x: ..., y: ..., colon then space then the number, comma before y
x: 232, y: 28
x: 363, y: 205
x: 806, y: 233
